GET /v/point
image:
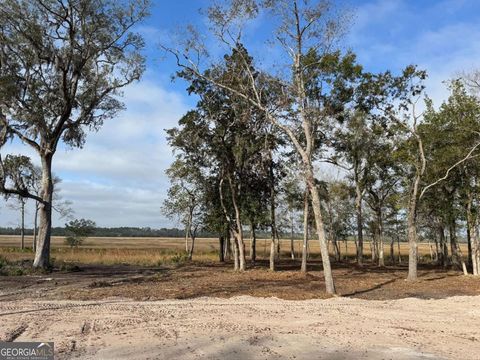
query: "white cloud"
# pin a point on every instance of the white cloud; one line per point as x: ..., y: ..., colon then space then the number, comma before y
x: 118, y: 178
x: 391, y: 35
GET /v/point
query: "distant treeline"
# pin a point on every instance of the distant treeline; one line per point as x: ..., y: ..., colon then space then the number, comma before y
x: 113, y: 232
x: 135, y: 232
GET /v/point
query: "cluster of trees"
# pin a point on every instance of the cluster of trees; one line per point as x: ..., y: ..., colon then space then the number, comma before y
x: 22, y: 174
x: 63, y: 65
x: 249, y: 150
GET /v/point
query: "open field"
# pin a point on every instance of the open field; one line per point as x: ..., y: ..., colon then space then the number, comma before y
x: 156, y: 269
x: 155, y: 251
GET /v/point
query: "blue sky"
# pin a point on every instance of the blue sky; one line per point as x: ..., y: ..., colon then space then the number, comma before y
x: 118, y: 178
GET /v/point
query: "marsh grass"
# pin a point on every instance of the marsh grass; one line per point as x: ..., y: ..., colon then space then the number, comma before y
x: 159, y: 251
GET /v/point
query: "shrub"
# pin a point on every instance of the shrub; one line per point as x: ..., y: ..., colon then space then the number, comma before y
x: 77, y: 231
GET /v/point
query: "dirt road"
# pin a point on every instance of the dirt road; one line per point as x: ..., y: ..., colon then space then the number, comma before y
x: 250, y: 328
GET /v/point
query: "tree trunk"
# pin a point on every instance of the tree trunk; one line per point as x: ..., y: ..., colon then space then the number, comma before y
x: 476, y: 250
x: 443, y: 245
x: 278, y: 242
x: 333, y: 237
x: 235, y: 231
x: 381, y: 259
x: 392, y: 247
x: 22, y: 209
x: 236, y: 262
x: 336, y: 249
x: 253, y: 244
x: 228, y: 245
x: 273, y: 247
x: 221, y: 253
x: 437, y: 247
x: 457, y: 256
x: 193, y: 236
x: 469, y: 246
x: 187, y: 231
x: 399, y: 252
x: 420, y: 167
x: 358, y: 210
x: 412, y: 240
x: 192, y: 245
x: 35, y: 225
x: 373, y: 246
x: 472, y: 232
x: 412, y: 226
x: 453, y: 244
x: 327, y: 270
x: 292, y: 244
x: 42, y: 255
x: 306, y: 211
x: 240, y: 247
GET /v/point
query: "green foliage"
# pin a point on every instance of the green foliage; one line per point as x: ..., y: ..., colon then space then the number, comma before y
x: 77, y: 231
x: 179, y: 258
x: 17, y: 172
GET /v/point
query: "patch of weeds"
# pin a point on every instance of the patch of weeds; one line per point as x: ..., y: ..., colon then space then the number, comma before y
x: 18, y: 250
x: 179, y: 258
x: 68, y: 267
x: 17, y: 272
x: 18, y: 268
x: 99, y: 284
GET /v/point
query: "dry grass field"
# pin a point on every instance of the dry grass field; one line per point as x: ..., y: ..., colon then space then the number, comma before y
x: 155, y: 251
x: 157, y: 268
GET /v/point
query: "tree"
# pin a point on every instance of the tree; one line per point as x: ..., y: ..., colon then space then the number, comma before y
x: 185, y: 199
x: 62, y: 68
x: 382, y: 187
x: 17, y: 171
x: 19, y: 205
x: 77, y: 231
x: 353, y: 144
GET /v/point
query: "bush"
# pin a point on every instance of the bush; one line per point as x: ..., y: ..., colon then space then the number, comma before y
x: 77, y: 231
x: 179, y: 258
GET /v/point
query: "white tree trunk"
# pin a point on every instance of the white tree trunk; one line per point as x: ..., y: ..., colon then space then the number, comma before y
x: 327, y: 270
x: 42, y: 255
x: 306, y: 209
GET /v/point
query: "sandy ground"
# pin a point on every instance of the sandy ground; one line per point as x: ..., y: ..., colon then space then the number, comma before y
x: 249, y: 328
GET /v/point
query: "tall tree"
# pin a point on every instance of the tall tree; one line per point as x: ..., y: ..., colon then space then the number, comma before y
x: 62, y: 68
x: 353, y: 143
x: 229, y: 140
x: 18, y: 172
x: 186, y: 199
